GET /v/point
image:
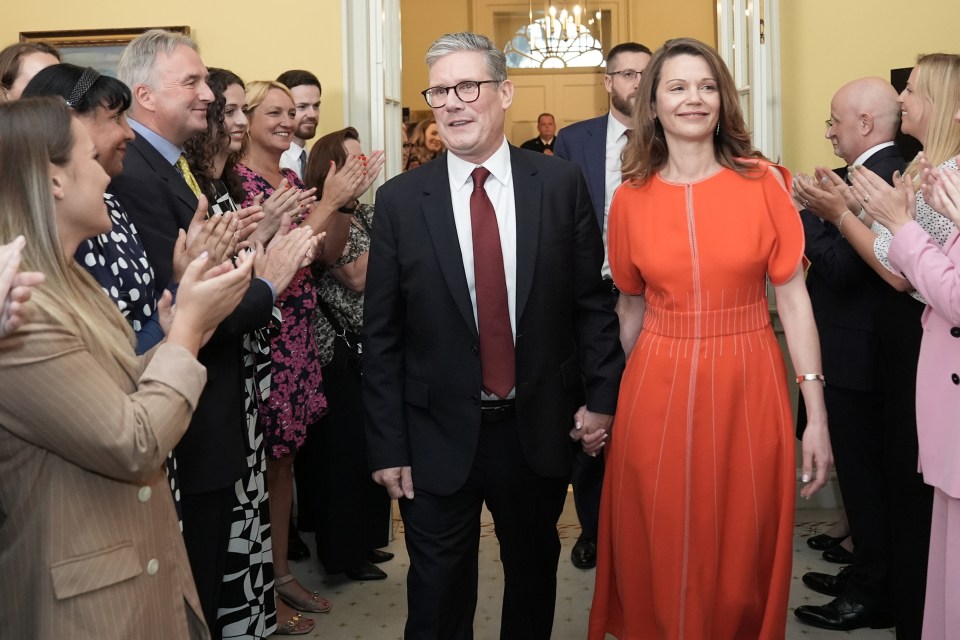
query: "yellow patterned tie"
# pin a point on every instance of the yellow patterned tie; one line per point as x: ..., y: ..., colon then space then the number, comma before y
x: 184, y: 168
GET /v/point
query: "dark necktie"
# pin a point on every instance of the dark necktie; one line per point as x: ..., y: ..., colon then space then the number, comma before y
x: 303, y: 163
x: 497, y: 360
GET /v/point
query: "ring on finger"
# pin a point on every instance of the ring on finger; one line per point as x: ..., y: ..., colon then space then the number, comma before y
x: 866, y: 199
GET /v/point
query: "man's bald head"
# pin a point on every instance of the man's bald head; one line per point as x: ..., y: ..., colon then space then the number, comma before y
x: 864, y: 113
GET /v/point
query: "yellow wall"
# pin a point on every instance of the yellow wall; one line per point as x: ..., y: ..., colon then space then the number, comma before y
x: 648, y: 21
x: 652, y: 22
x: 253, y: 40
x: 826, y: 43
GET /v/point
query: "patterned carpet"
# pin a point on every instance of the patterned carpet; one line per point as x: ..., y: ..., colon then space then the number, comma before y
x: 377, y: 610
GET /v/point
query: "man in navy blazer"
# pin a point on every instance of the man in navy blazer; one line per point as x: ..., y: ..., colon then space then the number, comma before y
x: 441, y: 435
x: 596, y: 146
x: 170, y: 97
x: 845, y: 292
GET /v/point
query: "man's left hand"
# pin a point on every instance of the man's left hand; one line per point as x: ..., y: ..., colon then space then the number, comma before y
x: 591, y: 429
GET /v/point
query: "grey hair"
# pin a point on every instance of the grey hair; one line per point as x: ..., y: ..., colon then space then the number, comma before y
x: 464, y: 41
x: 139, y: 59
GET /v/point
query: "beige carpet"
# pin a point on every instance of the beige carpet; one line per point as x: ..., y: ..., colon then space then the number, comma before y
x: 377, y: 610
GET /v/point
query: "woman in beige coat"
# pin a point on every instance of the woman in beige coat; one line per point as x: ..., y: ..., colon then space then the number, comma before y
x: 89, y: 542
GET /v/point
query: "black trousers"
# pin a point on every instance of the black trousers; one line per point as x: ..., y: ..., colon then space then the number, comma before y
x: 351, y: 512
x: 207, y: 518
x: 443, y: 536
x: 858, y: 452
x: 910, y: 501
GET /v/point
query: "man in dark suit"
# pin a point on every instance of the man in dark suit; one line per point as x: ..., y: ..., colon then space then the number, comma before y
x: 596, y: 146
x: 167, y: 79
x: 845, y: 292
x: 547, y: 129
x: 485, y: 321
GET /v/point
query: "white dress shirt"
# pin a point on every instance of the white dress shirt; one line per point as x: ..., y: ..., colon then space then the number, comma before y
x: 291, y: 159
x: 616, y: 141
x: 499, y: 188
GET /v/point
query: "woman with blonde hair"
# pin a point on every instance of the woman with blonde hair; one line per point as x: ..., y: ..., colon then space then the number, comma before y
x: 90, y: 538
x: 928, y: 102
x: 696, y: 517
x: 296, y: 396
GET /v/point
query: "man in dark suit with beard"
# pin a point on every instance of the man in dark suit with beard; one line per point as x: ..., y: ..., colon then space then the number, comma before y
x: 485, y: 321
x: 844, y: 292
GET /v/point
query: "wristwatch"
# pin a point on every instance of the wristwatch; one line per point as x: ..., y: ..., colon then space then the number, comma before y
x: 349, y: 208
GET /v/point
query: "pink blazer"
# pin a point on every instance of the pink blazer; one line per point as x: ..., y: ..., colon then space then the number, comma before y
x: 935, y: 272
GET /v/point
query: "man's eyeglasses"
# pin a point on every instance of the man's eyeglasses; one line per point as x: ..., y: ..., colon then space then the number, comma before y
x: 828, y: 122
x: 627, y: 74
x: 466, y: 91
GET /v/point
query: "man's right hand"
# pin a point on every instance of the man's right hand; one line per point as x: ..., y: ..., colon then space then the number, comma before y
x: 397, y: 480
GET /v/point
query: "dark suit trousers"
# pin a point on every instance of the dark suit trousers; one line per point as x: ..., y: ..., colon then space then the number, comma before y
x: 587, y: 482
x: 207, y: 518
x: 910, y: 501
x: 443, y: 536
x: 855, y: 417
x: 352, y: 512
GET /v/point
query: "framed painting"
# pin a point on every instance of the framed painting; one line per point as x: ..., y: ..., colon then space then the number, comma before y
x: 97, y: 48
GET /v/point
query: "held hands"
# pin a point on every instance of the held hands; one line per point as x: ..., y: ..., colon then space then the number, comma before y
x: 216, y: 236
x: 397, y: 480
x: 893, y: 206
x: 15, y: 286
x: 591, y: 429
x: 941, y: 189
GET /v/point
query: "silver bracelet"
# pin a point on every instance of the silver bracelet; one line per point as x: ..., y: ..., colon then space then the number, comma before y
x: 840, y: 221
x: 803, y: 377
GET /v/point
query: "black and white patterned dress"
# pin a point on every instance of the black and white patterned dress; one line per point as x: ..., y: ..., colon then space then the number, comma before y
x: 118, y: 262
x: 247, y: 607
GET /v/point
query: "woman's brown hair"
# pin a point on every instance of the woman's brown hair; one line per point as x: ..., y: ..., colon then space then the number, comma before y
x: 646, y: 153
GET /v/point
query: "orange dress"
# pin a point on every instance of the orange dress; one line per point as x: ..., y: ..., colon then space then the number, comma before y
x: 696, y: 519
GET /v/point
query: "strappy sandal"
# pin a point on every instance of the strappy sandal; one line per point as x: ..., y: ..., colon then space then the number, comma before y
x: 316, y: 603
x: 289, y: 628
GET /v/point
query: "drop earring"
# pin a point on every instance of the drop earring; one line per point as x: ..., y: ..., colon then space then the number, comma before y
x: 718, y: 128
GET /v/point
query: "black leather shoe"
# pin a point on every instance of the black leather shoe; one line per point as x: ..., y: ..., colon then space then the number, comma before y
x: 366, y: 571
x: 843, y: 614
x: 838, y: 555
x: 297, y: 549
x: 376, y: 556
x: 584, y: 554
x: 823, y: 542
x: 828, y: 585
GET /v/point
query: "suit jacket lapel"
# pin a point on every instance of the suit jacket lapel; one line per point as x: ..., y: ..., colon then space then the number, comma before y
x: 168, y: 174
x: 597, y: 148
x: 438, y: 213
x: 528, y: 195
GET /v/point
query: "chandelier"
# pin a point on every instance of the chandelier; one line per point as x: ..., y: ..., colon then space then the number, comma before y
x: 561, y: 38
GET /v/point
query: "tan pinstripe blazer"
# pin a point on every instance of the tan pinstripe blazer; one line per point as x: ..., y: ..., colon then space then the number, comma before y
x: 89, y: 541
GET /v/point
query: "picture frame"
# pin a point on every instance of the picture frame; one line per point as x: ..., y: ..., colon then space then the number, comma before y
x: 97, y: 48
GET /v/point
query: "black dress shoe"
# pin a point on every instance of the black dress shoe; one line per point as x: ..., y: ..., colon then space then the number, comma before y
x: 584, y: 554
x: 297, y: 549
x: 843, y: 614
x: 828, y: 585
x: 838, y: 555
x: 366, y: 571
x: 823, y: 542
x: 376, y: 556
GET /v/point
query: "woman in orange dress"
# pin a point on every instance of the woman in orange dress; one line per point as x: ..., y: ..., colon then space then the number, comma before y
x: 696, y: 524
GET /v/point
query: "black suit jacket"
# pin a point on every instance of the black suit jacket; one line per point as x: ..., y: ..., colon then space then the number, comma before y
x: 421, y: 348
x: 844, y: 292
x: 536, y: 144
x: 212, y: 454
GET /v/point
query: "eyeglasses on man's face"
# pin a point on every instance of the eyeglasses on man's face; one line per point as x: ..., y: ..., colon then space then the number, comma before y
x: 828, y: 122
x: 627, y: 74
x: 466, y: 91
